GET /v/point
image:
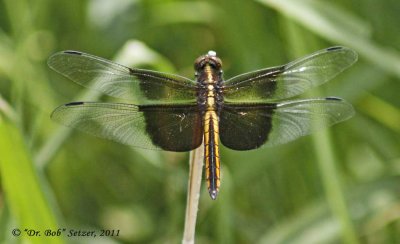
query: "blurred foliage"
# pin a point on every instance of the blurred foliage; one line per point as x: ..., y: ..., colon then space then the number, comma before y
x: 333, y: 187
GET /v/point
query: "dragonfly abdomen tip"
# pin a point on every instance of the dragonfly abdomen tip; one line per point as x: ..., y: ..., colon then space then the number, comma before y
x: 213, y: 194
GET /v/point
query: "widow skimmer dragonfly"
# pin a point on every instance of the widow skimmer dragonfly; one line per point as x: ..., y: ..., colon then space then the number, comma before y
x: 174, y: 113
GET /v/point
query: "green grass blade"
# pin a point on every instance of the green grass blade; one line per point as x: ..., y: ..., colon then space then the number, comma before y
x: 324, y: 150
x: 324, y: 20
x: 21, y: 184
x: 332, y: 184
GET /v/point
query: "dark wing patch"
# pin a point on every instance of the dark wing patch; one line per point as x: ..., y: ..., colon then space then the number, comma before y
x: 174, y: 128
x: 246, y: 127
x: 289, y: 80
x: 137, y: 85
x: 166, y: 127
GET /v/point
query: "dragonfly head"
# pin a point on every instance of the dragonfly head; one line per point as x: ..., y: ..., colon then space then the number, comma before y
x: 211, y: 59
x: 207, y: 66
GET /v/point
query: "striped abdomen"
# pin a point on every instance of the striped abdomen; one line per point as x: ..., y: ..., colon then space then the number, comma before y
x: 211, y: 153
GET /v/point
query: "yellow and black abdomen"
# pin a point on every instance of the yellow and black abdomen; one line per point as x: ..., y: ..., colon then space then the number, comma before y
x: 209, y: 78
x: 211, y: 154
x: 211, y: 133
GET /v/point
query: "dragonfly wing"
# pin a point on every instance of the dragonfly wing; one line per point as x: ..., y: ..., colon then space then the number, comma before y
x: 246, y: 127
x: 289, y: 80
x: 137, y: 85
x: 167, y: 127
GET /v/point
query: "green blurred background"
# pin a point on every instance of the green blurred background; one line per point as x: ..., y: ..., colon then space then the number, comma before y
x: 336, y: 186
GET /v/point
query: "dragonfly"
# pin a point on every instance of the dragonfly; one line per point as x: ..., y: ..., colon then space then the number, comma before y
x: 173, y: 113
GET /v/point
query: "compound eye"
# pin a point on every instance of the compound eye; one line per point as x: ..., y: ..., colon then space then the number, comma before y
x: 199, y: 64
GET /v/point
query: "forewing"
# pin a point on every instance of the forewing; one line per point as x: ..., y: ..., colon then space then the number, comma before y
x: 289, y: 80
x: 137, y: 85
x: 167, y: 127
x: 246, y: 127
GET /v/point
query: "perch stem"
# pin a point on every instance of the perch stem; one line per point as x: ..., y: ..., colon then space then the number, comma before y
x: 193, y: 196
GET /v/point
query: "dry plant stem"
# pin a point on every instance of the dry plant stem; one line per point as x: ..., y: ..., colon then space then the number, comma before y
x: 192, y: 202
